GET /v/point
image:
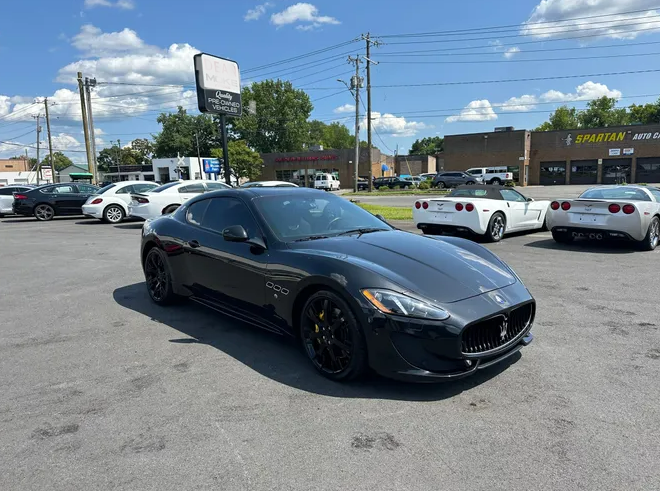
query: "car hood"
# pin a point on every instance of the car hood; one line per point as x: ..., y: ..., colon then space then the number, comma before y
x: 438, y: 270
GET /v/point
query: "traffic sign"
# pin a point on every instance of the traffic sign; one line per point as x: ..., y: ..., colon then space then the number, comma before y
x: 218, y: 83
x: 211, y: 166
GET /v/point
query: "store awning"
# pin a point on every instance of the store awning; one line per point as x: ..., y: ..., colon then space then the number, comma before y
x: 81, y: 175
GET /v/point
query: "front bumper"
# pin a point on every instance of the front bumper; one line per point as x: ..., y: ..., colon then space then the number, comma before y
x: 417, y: 350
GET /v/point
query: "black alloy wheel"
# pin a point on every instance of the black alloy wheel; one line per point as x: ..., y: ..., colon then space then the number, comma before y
x: 332, y: 338
x: 44, y: 212
x: 496, y: 182
x: 157, y: 276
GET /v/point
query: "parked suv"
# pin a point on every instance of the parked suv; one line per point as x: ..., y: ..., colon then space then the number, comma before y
x: 491, y: 175
x: 326, y: 181
x: 391, y: 182
x: 450, y: 179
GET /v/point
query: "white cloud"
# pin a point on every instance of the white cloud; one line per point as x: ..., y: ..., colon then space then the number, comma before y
x: 522, y: 103
x: 388, y: 124
x: 346, y: 108
x: 511, y: 51
x: 621, y: 26
x: 304, y: 13
x: 5, y: 105
x: 121, y: 4
x: 475, y: 111
x: 585, y: 92
x: 257, y: 12
x: 93, y: 42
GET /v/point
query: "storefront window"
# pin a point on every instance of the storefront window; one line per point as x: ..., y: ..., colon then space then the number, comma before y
x: 616, y: 171
x: 553, y: 173
x: 648, y: 170
x: 584, y: 171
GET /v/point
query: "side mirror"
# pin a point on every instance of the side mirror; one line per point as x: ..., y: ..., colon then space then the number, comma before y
x: 235, y: 233
x: 530, y: 199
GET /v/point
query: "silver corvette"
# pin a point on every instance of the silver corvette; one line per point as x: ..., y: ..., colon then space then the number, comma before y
x: 626, y: 212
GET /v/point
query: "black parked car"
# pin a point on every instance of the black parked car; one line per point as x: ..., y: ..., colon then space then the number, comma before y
x: 391, y: 182
x: 450, y: 179
x: 362, y: 184
x: 51, y: 200
x: 356, y: 292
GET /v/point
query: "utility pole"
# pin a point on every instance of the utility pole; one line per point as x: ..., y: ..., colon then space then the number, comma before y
x: 89, y: 83
x: 118, y: 159
x: 50, y: 141
x: 356, y: 83
x: 367, y: 37
x: 199, y: 158
x: 81, y: 89
x: 38, y: 117
x: 225, y: 150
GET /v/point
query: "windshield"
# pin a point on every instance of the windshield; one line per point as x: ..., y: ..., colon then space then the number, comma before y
x: 294, y: 217
x: 164, y: 187
x: 105, y: 188
x: 621, y: 193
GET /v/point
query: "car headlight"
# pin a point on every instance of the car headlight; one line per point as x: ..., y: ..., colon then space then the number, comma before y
x: 389, y: 302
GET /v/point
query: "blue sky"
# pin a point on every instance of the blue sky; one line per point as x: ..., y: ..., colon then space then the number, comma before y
x: 149, y: 42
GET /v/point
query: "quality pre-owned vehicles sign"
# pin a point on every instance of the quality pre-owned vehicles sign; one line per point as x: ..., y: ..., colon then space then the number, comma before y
x: 218, y: 85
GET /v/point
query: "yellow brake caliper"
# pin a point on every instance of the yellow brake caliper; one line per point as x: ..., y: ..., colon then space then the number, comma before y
x: 316, y: 326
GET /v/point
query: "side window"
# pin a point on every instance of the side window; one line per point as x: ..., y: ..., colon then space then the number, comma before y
x: 197, y: 188
x: 142, y: 188
x: 656, y: 193
x: 7, y: 191
x: 224, y: 212
x: 85, y: 189
x: 127, y: 190
x: 61, y: 190
x: 215, y: 186
x: 195, y: 212
x: 511, y: 195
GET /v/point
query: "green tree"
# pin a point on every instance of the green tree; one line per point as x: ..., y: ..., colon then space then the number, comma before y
x: 279, y: 123
x: 61, y: 161
x: 427, y: 146
x: 316, y: 130
x: 181, y: 132
x: 244, y: 162
x: 603, y: 112
x: 564, y: 118
x: 337, y: 136
x: 110, y: 156
x: 645, y: 114
x: 144, y: 148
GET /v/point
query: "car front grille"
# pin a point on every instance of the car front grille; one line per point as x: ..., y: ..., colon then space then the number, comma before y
x: 497, y: 331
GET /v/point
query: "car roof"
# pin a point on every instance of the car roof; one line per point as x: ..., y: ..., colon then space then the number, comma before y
x: 492, y: 192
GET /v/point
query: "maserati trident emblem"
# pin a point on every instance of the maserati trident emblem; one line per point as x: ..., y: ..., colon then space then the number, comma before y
x: 504, y: 327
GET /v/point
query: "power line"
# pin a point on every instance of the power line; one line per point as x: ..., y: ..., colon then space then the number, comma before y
x: 436, y: 33
x: 466, y: 62
x: 306, y: 65
x: 328, y: 96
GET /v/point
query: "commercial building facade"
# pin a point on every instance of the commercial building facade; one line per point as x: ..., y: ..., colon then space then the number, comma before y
x: 14, y: 165
x: 612, y: 155
x: 301, y: 167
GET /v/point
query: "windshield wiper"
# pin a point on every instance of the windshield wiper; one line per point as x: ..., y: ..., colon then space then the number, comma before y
x: 361, y: 231
x: 311, y: 237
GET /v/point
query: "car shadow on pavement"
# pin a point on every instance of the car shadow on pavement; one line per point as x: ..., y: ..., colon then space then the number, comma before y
x: 32, y: 219
x: 586, y: 246
x: 130, y: 225
x: 280, y: 358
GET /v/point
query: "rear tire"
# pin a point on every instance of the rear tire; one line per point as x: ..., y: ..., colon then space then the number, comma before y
x: 158, y: 278
x: 652, y: 238
x: 114, y: 214
x: 44, y: 212
x: 324, y: 336
x: 496, y: 228
x: 441, y: 185
x: 170, y: 209
x: 562, y: 237
x: 496, y: 182
x: 470, y: 183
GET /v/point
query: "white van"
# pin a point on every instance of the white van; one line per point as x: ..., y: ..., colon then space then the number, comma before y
x: 326, y: 181
x: 492, y: 175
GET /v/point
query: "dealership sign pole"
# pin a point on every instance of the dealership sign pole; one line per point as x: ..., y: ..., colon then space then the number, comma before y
x: 218, y: 83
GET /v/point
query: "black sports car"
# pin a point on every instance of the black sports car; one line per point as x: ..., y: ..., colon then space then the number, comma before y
x: 51, y: 200
x: 357, y: 292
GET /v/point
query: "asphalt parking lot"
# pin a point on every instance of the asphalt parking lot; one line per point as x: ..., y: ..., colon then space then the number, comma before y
x: 103, y: 390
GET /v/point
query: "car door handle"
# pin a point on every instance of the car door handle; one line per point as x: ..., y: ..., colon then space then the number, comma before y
x: 194, y: 244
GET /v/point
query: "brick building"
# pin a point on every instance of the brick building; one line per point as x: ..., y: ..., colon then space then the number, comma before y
x: 414, y: 165
x: 300, y: 167
x: 14, y: 165
x: 592, y: 156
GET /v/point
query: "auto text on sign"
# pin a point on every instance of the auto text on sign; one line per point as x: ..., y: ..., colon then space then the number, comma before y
x: 646, y: 136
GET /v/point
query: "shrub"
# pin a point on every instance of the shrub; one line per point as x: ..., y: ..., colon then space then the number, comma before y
x: 424, y: 185
x: 396, y: 188
x: 510, y: 184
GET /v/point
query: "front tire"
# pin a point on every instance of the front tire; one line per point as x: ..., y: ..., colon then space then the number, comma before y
x: 652, y: 238
x: 114, y: 214
x: 44, y: 212
x: 158, y: 278
x: 562, y: 237
x: 332, y: 337
x: 496, y: 182
x: 496, y: 227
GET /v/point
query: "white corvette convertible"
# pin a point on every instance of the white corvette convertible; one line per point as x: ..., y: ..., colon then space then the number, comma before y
x: 489, y: 211
x: 609, y: 212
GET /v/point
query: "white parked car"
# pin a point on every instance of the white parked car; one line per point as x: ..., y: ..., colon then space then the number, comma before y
x: 491, y: 175
x: 609, y: 212
x: 326, y: 181
x: 168, y: 197
x: 415, y: 180
x: 489, y: 211
x: 269, y: 184
x: 110, y: 203
x: 7, y: 197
